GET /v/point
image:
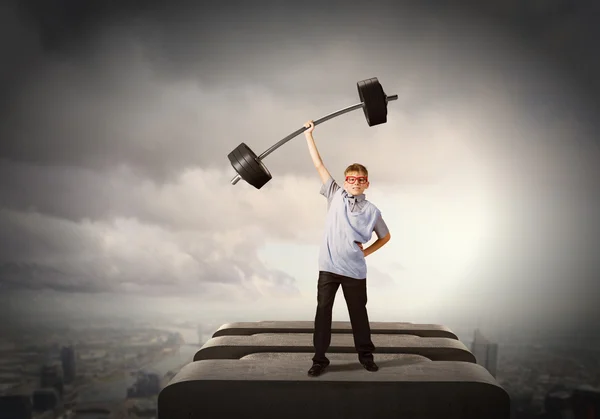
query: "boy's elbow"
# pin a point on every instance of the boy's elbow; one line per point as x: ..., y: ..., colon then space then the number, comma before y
x: 387, y: 237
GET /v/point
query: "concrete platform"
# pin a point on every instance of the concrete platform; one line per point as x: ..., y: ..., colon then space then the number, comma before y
x: 281, y: 389
x: 382, y: 328
x: 236, y: 347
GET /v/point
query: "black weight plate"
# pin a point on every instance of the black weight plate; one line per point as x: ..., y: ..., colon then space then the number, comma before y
x: 265, y: 177
x: 378, y: 103
x: 246, y: 169
x: 375, y: 101
x: 248, y: 166
x: 242, y: 167
x: 237, y: 165
x: 233, y: 159
x: 257, y: 169
x: 246, y: 162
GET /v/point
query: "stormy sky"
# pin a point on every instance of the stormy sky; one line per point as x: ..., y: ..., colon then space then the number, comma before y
x: 116, y: 120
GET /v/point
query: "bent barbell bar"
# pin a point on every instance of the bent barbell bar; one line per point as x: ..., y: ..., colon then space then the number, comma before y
x: 274, y: 147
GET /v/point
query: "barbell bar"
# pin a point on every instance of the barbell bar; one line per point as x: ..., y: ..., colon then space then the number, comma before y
x: 250, y: 167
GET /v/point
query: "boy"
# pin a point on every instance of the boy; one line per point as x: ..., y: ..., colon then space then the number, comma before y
x: 351, y: 221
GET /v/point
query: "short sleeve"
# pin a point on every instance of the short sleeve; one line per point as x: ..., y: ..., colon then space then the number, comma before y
x: 329, y: 188
x: 381, y: 228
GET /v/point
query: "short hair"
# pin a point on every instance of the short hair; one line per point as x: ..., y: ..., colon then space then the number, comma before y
x: 356, y: 167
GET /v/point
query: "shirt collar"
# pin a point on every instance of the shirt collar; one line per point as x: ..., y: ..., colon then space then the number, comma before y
x: 357, y: 198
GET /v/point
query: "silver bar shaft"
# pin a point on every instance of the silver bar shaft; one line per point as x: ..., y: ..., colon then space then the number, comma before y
x: 299, y: 131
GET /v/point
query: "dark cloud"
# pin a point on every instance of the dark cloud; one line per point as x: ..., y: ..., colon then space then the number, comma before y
x: 60, y: 23
x: 145, y: 85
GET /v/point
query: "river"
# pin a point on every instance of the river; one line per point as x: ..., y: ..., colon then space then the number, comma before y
x: 115, y: 389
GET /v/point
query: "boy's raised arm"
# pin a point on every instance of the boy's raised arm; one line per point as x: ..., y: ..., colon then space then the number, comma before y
x: 314, y: 153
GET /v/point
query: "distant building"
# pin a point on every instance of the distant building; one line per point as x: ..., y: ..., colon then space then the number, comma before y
x: 586, y: 402
x: 70, y: 395
x: 51, y: 375
x: 45, y: 399
x: 144, y: 408
x: 557, y: 405
x: 17, y: 406
x: 146, y: 385
x: 68, y: 360
x: 485, y: 352
x: 521, y: 405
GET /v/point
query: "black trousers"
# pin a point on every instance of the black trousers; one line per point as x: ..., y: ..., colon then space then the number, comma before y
x: 355, y: 294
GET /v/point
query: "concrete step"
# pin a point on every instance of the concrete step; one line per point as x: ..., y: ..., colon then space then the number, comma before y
x: 275, y: 389
x: 236, y: 347
x: 252, y: 328
x: 306, y: 357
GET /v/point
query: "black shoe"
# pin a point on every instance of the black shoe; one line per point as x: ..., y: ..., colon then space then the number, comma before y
x: 370, y: 366
x: 317, y: 369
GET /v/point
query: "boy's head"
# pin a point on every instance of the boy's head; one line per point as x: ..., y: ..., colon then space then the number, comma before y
x: 356, y: 179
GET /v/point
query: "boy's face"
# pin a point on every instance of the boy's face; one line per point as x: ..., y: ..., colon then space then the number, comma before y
x: 355, y: 183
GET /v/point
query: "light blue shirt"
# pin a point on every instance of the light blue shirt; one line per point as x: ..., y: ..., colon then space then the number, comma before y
x: 350, y: 219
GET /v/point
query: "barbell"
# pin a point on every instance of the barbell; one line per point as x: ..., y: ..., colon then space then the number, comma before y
x: 250, y: 167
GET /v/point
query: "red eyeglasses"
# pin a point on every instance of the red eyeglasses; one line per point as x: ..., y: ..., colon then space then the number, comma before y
x: 361, y: 179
